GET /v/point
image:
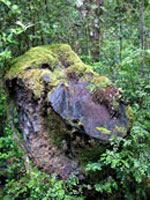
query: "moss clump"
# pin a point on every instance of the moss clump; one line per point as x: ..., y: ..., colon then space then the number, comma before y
x: 32, y: 59
x: 101, y: 81
x: 98, y: 82
x: 65, y: 53
x: 103, y: 130
x: 78, y: 68
x: 57, y: 60
x: 115, y: 105
x: 120, y: 129
x: 33, y: 81
x: 130, y: 113
x: 91, y: 87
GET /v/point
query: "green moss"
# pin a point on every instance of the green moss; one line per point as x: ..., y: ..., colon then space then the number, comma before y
x: 120, y: 129
x: 29, y: 68
x: 33, y: 58
x: 116, y: 105
x: 65, y: 53
x: 91, y: 87
x: 33, y: 81
x: 101, y: 81
x: 79, y: 68
x: 103, y: 130
x: 130, y: 113
x: 98, y: 82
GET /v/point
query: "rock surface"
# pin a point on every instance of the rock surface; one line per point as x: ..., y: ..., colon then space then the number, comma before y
x: 64, y: 108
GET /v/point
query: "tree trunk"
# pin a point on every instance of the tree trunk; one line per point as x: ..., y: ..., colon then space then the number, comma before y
x: 142, y: 34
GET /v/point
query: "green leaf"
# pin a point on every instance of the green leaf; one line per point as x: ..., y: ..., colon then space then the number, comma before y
x: 15, y: 7
x: 6, y: 2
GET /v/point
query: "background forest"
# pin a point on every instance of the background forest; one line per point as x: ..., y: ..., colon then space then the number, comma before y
x: 114, y: 37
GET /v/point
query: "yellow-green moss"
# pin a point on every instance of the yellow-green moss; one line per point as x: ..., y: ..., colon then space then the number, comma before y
x: 91, y: 87
x: 79, y: 68
x: 116, y: 105
x: 28, y: 67
x: 65, y: 52
x: 130, y: 113
x: 103, y: 130
x: 98, y: 82
x: 101, y: 81
x: 32, y: 59
x: 120, y: 129
x: 33, y: 81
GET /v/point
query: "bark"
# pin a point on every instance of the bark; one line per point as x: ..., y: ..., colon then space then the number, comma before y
x: 142, y: 34
x: 22, y: 146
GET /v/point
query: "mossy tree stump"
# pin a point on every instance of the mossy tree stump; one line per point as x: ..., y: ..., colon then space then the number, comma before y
x: 65, y: 109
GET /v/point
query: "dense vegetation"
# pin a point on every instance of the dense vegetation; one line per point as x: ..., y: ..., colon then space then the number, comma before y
x: 112, y: 36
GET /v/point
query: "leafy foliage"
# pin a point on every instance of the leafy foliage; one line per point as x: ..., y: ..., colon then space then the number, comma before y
x: 39, y: 185
x: 129, y: 163
x: 107, y: 36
